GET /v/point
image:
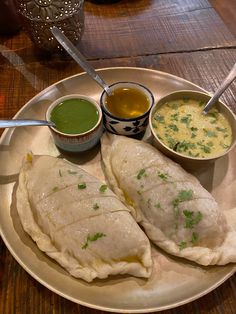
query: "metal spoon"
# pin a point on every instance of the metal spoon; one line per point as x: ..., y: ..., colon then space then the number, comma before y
x: 79, y: 58
x: 24, y: 122
x: 227, y: 81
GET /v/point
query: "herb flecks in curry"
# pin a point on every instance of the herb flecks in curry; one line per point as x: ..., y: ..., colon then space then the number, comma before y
x: 181, y: 126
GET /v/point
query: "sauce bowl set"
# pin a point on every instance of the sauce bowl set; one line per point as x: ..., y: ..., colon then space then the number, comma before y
x: 129, y: 94
x: 131, y: 108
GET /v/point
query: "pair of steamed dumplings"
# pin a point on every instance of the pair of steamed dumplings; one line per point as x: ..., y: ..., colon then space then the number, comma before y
x: 93, y: 232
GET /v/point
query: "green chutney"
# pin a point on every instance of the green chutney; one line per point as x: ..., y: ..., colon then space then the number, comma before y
x: 74, y: 116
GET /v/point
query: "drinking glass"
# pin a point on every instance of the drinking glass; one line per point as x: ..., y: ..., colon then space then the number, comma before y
x: 9, y: 21
x: 38, y: 16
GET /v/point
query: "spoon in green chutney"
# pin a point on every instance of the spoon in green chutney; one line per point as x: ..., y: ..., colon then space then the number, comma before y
x: 79, y: 58
x: 24, y: 122
x: 225, y: 84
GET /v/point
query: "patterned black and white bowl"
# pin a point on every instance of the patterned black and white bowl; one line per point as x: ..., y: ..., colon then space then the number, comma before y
x: 126, y: 126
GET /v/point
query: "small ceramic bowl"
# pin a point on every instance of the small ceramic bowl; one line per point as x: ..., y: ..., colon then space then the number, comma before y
x: 126, y: 126
x: 76, y: 142
x: 186, y: 161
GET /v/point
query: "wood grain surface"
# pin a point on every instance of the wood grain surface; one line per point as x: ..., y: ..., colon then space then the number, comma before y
x: 193, y: 39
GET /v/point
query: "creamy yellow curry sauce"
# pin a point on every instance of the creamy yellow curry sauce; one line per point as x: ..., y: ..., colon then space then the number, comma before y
x: 181, y: 126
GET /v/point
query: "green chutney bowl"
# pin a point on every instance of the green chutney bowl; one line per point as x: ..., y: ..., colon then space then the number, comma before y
x: 75, y: 141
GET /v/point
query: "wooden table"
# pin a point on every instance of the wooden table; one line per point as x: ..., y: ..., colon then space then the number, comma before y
x: 193, y: 39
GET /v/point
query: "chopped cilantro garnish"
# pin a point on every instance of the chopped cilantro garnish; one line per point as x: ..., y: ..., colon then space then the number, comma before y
x: 182, y: 245
x: 194, y: 130
x: 184, y: 146
x: 92, y: 238
x: 183, y: 195
x: 174, y: 117
x: 60, y: 173
x: 82, y: 186
x: 56, y: 188
x: 221, y: 129
x: 210, y: 144
x: 163, y: 176
x: 193, y: 155
x: 95, y: 206
x: 194, y: 238
x: 213, y: 114
x: 224, y: 145
x: 103, y: 188
x: 189, y: 223
x: 172, y: 106
x: 191, y: 218
x: 186, y: 120
x: 173, y: 127
x: 158, y: 135
x: 158, y: 206
x: 201, y: 103
x: 209, y: 133
x: 159, y: 118
x: 198, y: 217
x: 142, y: 173
x: 205, y: 148
x: 171, y: 142
x: 188, y: 214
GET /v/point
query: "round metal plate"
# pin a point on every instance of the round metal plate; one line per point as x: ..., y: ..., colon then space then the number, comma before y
x: 174, y: 281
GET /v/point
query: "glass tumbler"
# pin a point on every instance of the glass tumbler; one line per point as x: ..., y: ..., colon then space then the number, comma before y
x: 9, y: 21
x: 38, y: 16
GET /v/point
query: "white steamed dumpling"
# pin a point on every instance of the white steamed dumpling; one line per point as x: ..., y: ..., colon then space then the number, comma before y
x: 78, y: 221
x: 176, y: 212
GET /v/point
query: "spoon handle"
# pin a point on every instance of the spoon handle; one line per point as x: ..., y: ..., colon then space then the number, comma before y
x: 227, y: 81
x: 78, y: 57
x: 23, y: 122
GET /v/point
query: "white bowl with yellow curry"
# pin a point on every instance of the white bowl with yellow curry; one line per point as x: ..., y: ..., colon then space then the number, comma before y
x: 184, y: 133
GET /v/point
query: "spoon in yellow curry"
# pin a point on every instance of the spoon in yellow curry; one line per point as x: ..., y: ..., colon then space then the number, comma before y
x: 225, y: 84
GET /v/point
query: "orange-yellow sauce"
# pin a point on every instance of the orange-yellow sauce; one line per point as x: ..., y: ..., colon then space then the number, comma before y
x: 126, y: 102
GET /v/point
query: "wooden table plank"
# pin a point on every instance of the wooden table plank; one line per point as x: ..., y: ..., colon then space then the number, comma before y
x: 227, y: 11
x: 23, y: 294
x: 152, y: 27
x: 20, y: 83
